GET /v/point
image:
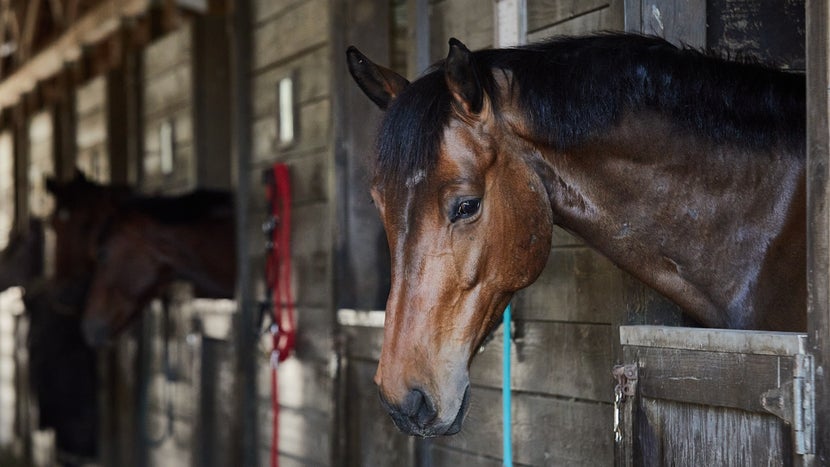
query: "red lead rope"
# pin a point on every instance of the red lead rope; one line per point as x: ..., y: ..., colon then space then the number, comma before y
x: 278, y: 277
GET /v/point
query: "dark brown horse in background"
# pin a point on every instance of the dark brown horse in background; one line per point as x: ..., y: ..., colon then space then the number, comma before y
x: 82, y: 209
x: 61, y: 367
x: 151, y: 242
x: 685, y: 170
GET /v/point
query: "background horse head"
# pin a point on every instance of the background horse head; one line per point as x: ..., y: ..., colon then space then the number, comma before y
x: 82, y: 210
x: 685, y: 170
x: 153, y: 241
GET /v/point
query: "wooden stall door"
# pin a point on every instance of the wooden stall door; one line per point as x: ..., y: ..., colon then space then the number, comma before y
x: 691, y: 397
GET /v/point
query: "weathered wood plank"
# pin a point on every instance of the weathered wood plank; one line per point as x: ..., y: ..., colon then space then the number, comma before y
x: 608, y: 18
x: 563, y: 359
x: 693, y: 435
x: 167, y: 53
x: 266, y: 9
x: 818, y: 215
x: 546, y: 430
x: 715, y: 340
x: 716, y: 379
x: 309, y: 182
x: 168, y: 90
x: 311, y: 71
x: 298, y: 30
x: 544, y: 13
x: 312, y: 133
x: 471, y: 21
x: 363, y: 342
x: 372, y: 438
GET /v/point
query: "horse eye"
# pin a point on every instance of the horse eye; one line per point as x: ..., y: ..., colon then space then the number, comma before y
x: 466, y: 209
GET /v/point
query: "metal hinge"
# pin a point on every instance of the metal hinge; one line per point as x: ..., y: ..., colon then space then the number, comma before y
x: 794, y: 402
x: 626, y: 377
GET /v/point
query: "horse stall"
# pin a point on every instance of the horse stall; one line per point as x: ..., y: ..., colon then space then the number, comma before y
x: 155, y: 100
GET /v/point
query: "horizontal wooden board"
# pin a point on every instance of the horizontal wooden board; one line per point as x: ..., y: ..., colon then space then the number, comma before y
x: 311, y: 72
x: 372, y: 438
x: 546, y: 430
x: 578, y: 284
x: 266, y: 9
x: 312, y: 133
x: 309, y: 182
x: 182, y: 120
x: 169, y: 90
x: 544, y: 13
x: 363, y: 342
x: 284, y: 36
x: 609, y: 18
x: 564, y: 359
x: 304, y: 435
x: 443, y: 456
x: 715, y: 340
x: 303, y: 384
x: 168, y: 52
x: 712, y: 378
x: 470, y: 21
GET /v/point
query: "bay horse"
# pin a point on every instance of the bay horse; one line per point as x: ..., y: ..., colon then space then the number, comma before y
x: 684, y: 169
x: 82, y: 209
x: 151, y: 242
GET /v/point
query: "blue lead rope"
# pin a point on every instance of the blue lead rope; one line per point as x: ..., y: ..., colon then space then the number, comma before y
x: 507, y: 448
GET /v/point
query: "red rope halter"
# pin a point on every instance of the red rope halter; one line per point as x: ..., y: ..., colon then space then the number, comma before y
x: 278, y: 281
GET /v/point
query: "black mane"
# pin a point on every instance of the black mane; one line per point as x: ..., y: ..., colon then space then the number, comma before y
x: 575, y: 87
x: 191, y: 207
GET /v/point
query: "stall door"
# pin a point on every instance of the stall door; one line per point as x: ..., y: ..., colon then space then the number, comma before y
x: 692, y: 397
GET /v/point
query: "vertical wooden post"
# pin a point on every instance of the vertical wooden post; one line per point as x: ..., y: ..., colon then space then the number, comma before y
x: 245, y: 447
x: 64, y: 124
x: 124, y: 117
x: 818, y: 217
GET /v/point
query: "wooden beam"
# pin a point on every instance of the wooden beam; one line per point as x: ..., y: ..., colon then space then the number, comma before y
x: 97, y: 24
x: 818, y: 218
x: 24, y: 49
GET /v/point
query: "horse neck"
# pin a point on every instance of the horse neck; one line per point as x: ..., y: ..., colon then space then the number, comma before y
x: 691, y: 218
x: 202, y: 252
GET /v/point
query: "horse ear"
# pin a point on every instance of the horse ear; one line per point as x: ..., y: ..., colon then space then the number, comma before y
x: 462, y: 78
x: 380, y: 84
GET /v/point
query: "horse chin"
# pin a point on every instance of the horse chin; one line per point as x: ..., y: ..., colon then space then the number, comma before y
x: 455, y: 427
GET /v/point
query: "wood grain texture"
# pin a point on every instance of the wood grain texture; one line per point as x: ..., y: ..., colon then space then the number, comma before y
x: 562, y: 359
x: 693, y: 435
x: 818, y: 215
x: 298, y: 30
x: 546, y: 430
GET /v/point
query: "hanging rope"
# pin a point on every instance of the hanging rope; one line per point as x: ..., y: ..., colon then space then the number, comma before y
x: 278, y: 280
x: 507, y: 432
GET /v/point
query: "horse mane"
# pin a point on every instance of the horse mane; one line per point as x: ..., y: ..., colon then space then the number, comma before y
x: 194, y: 206
x: 572, y: 88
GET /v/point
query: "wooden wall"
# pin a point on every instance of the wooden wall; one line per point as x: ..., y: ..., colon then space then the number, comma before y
x: 168, y: 101
x: 291, y: 38
x: 92, y: 156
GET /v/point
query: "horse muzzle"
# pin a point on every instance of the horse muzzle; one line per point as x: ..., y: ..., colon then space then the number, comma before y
x: 417, y: 415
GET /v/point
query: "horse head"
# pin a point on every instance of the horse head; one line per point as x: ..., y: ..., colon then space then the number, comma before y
x: 82, y: 210
x: 468, y: 222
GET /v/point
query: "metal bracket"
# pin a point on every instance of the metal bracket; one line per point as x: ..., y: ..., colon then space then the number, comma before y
x: 626, y: 377
x: 793, y: 402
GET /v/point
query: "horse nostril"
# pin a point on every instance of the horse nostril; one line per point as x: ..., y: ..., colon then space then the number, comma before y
x: 419, y: 407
